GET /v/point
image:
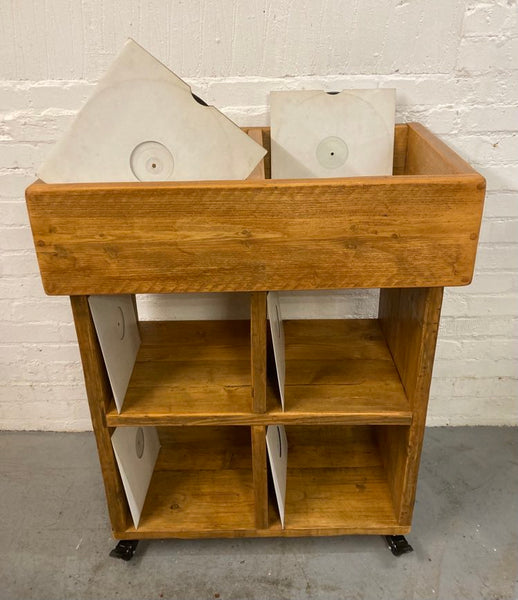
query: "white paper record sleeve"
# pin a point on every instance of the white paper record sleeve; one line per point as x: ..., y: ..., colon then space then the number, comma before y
x: 142, y: 123
x: 273, y: 304
x: 136, y: 451
x: 277, y: 445
x: 318, y: 134
x: 117, y: 329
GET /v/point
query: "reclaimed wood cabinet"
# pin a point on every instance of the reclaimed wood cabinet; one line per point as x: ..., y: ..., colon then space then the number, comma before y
x: 356, y: 390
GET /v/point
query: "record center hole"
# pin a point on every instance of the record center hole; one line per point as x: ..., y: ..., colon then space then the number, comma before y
x: 154, y: 165
x: 332, y: 153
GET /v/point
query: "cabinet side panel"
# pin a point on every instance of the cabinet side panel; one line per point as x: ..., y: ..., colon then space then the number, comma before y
x: 427, y: 155
x: 410, y: 320
x: 260, y: 476
x: 99, y: 396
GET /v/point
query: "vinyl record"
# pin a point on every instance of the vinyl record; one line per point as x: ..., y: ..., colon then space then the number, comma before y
x: 316, y: 134
x: 143, y: 124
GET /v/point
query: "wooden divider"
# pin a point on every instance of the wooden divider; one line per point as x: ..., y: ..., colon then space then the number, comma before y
x: 258, y: 350
x: 260, y: 476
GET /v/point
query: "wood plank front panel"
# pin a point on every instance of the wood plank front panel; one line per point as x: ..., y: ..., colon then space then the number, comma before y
x: 272, y: 235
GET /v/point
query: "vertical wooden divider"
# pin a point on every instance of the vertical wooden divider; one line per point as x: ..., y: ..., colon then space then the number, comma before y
x: 410, y: 321
x: 260, y: 476
x: 99, y: 397
x: 258, y: 362
x: 258, y: 350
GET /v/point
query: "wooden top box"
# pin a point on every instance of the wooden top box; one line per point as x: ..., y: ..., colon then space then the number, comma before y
x: 416, y: 228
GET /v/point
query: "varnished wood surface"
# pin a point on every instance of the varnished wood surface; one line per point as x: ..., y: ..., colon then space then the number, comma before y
x: 256, y: 133
x: 336, y: 479
x: 399, y: 231
x: 99, y: 395
x: 202, y: 485
x: 198, y: 373
x: 336, y: 366
x: 410, y: 321
x: 258, y: 350
x: 426, y: 154
x: 202, y: 482
x: 189, y: 372
x: 259, y: 460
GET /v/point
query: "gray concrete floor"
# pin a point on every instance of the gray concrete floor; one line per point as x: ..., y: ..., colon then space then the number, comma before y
x: 55, y: 537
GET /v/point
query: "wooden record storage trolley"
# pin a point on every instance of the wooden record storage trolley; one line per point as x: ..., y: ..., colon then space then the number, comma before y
x: 356, y: 390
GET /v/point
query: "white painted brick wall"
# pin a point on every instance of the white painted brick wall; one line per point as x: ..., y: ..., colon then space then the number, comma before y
x: 454, y: 64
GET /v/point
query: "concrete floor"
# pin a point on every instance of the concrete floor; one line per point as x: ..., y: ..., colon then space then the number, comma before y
x: 55, y: 537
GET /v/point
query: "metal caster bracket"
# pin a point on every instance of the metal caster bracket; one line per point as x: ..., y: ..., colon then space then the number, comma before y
x: 124, y: 550
x: 398, y: 544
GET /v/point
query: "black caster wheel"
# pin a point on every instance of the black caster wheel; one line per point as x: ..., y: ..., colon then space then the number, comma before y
x: 398, y: 544
x: 124, y: 550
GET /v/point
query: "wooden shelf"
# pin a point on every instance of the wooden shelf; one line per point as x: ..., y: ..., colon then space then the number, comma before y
x: 202, y: 484
x: 336, y: 482
x: 189, y: 372
x: 340, y: 371
x: 198, y: 373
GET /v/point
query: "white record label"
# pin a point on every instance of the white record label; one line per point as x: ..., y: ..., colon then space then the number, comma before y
x: 152, y: 161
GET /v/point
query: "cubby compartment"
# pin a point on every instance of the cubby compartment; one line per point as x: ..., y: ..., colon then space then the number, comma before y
x: 188, y: 372
x: 202, y: 484
x: 339, y: 371
x: 337, y: 482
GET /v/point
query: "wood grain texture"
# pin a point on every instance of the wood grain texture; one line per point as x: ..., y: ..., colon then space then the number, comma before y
x: 256, y: 133
x: 335, y: 478
x: 427, y: 155
x: 403, y: 231
x: 339, y: 367
x: 197, y: 373
x: 400, y: 144
x: 258, y: 350
x: 99, y: 396
x: 203, y: 485
x: 410, y: 322
x: 188, y: 372
x: 260, y: 472
x: 202, y: 482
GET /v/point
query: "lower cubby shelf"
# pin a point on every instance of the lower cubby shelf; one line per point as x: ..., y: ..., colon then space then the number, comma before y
x: 336, y: 482
x: 203, y: 485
